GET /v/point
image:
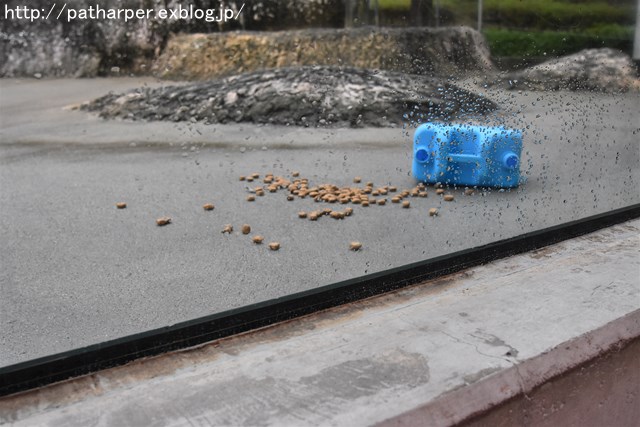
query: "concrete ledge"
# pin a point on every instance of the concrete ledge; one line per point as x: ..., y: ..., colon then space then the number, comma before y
x: 475, y: 404
x: 439, y: 353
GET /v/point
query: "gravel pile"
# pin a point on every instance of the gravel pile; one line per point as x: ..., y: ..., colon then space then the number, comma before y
x: 604, y: 69
x: 324, y: 96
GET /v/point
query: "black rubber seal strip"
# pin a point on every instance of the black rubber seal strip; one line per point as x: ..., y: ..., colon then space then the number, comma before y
x: 59, y: 367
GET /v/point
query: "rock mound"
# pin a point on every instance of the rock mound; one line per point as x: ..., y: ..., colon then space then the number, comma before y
x: 428, y: 51
x: 604, y: 69
x: 303, y: 96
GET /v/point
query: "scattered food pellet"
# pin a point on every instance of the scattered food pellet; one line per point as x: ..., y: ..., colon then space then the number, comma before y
x: 406, y: 204
x: 255, y: 175
x: 433, y: 212
x: 302, y: 214
x: 422, y: 194
x: 257, y: 239
x: 290, y: 197
x: 440, y: 191
x: 260, y: 193
x: 246, y: 229
x: 348, y: 211
x: 163, y: 221
x: 357, y: 179
x: 355, y: 246
x: 250, y: 179
x: 468, y: 191
x: 121, y: 205
x: 448, y: 197
x: 369, y: 184
x: 337, y: 215
x: 382, y: 202
x: 274, y: 246
x: 251, y: 198
x: 313, y: 216
x: 242, y: 177
x: 392, y: 189
x: 395, y: 199
x: 208, y: 207
x: 295, y: 173
x: 227, y: 229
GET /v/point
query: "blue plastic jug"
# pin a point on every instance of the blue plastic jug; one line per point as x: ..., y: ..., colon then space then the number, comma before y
x: 484, y: 156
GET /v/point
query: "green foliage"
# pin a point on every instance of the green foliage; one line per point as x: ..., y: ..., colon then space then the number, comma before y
x: 543, y: 14
x: 394, y: 4
x: 508, y: 43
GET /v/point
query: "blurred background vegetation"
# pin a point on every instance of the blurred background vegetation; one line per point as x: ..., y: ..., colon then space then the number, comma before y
x: 527, y: 29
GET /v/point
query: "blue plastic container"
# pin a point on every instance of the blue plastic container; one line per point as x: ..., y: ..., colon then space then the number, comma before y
x: 484, y: 156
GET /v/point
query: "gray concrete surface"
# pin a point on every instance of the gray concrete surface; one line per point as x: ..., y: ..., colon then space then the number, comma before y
x: 75, y: 271
x: 438, y: 352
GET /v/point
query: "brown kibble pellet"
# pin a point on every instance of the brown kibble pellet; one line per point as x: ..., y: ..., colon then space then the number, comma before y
x: 242, y: 177
x: 251, y: 198
x: 274, y: 246
x: 355, y: 246
x: 255, y: 175
x: 365, y: 203
x: 369, y: 184
x: 448, y: 198
x: 257, y: 239
x: 163, y: 221
x: 302, y: 214
x: 336, y: 215
x: 313, y: 216
x: 440, y: 191
x: 469, y: 191
x: 357, y: 180
x: 406, y: 204
x: 121, y: 205
x: 246, y: 229
x: 290, y: 197
x: 267, y: 180
x: 395, y: 199
x: 208, y: 207
x: 393, y: 189
x: 260, y: 193
x: 382, y: 202
x: 422, y: 194
x: 433, y: 212
x: 348, y: 211
x: 295, y: 173
x: 227, y: 229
